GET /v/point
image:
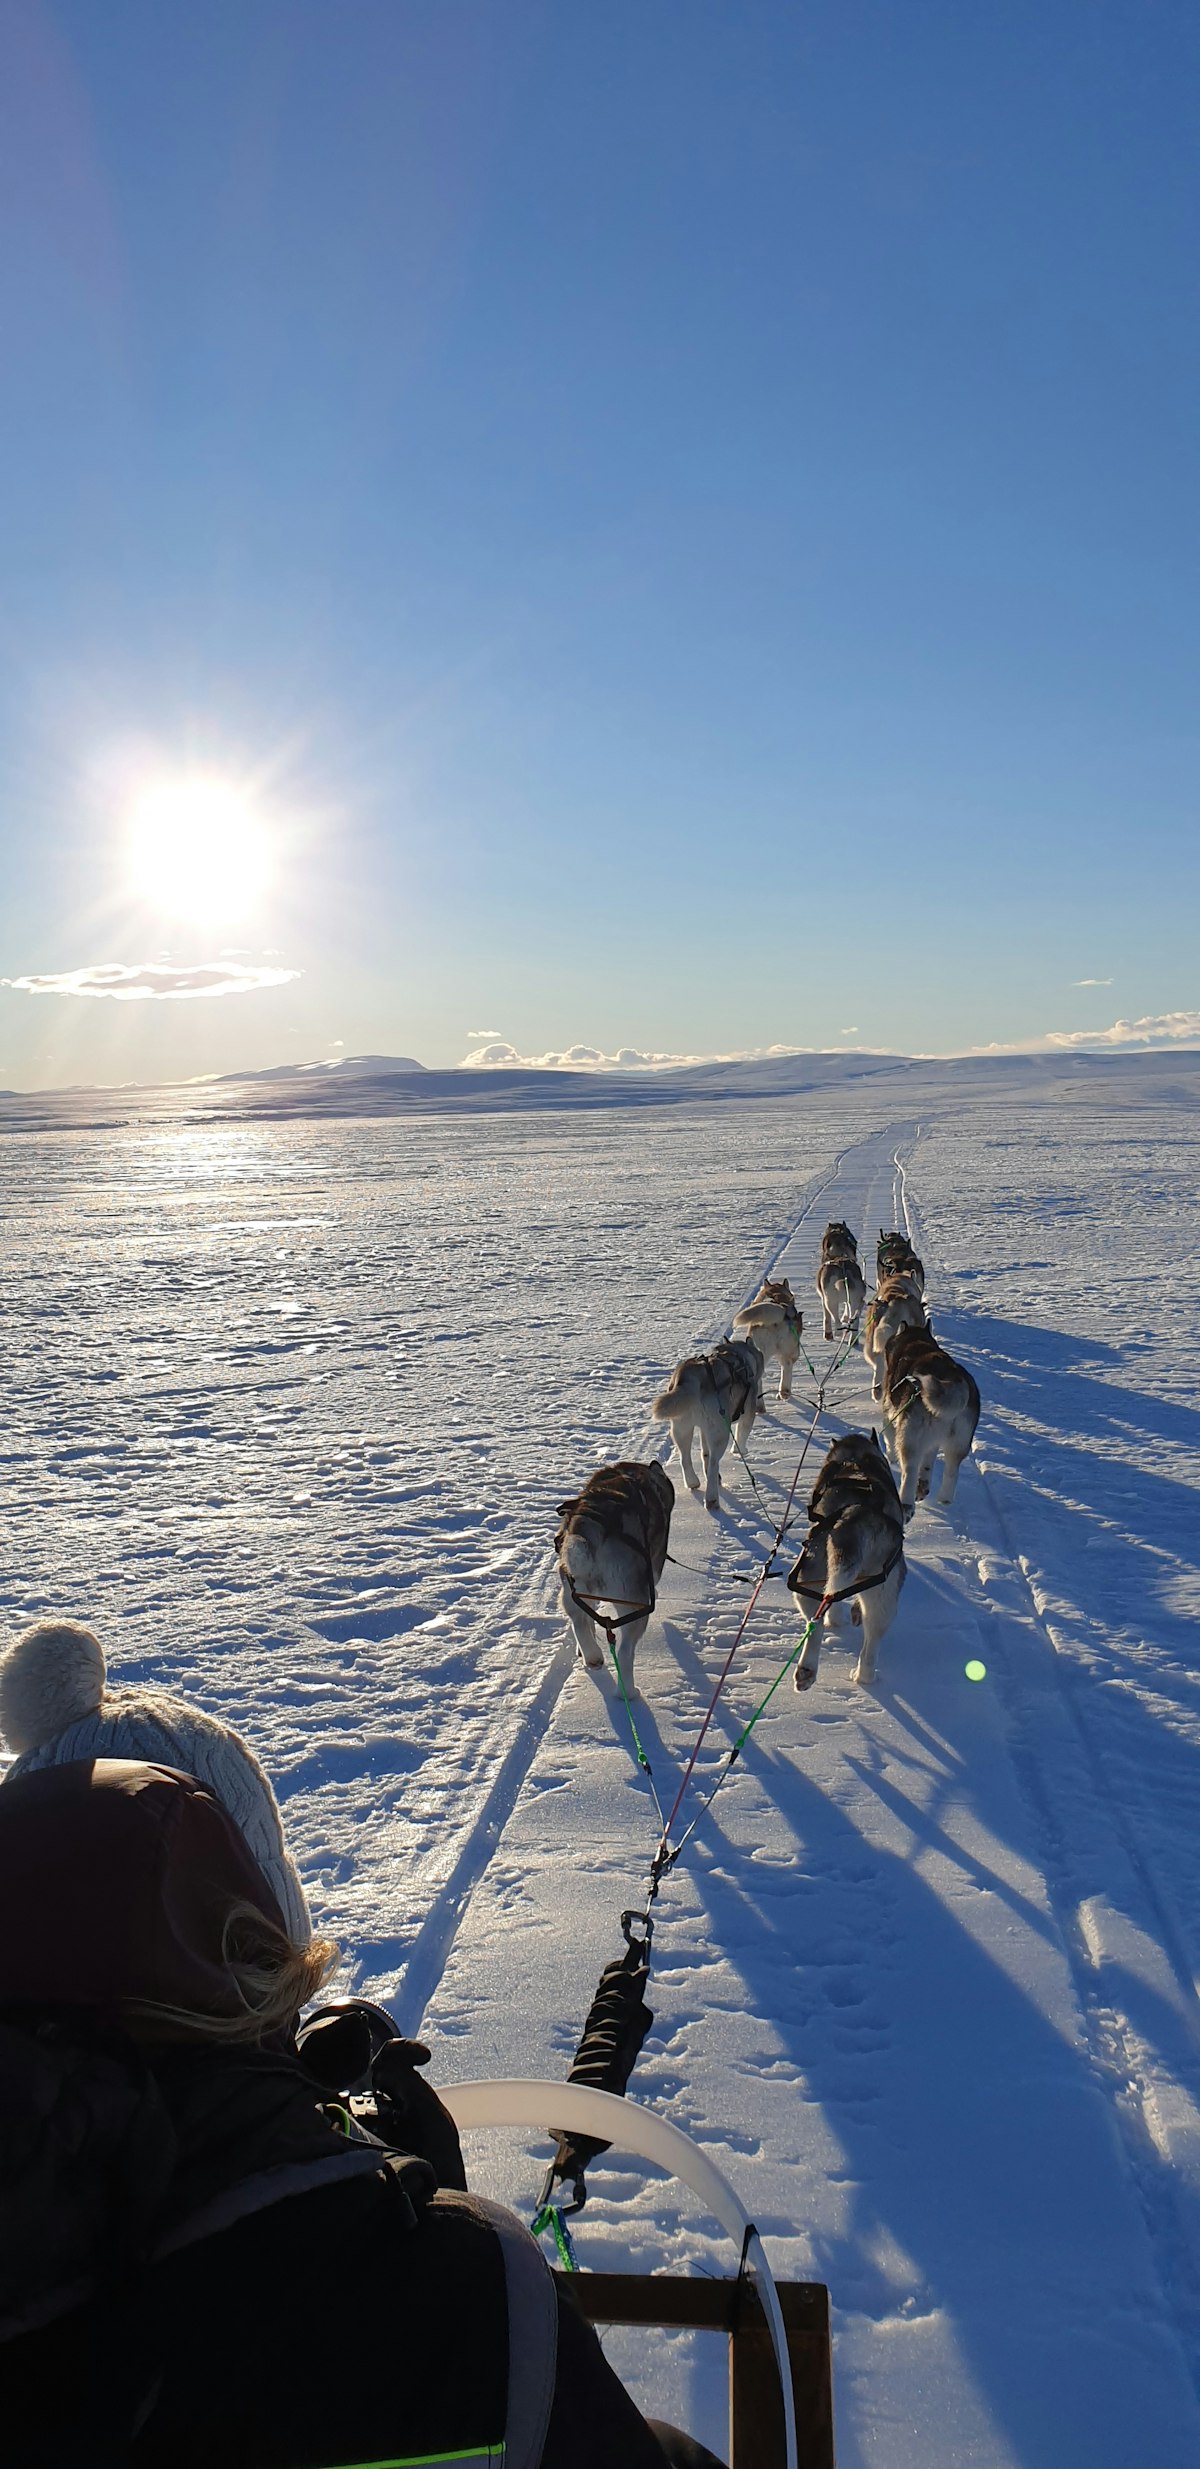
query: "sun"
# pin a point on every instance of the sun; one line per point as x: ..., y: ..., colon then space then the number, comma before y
x: 198, y: 849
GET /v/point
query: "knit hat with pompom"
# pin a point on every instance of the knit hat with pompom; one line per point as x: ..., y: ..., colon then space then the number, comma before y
x: 56, y: 1707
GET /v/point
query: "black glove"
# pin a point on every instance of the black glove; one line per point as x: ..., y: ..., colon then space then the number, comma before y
x: 351, y: 2048
x: 411, y: 2116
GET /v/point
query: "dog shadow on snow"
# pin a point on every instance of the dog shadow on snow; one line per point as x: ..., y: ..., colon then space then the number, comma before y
x: 975, y: 2164
x: 1048, y: 1378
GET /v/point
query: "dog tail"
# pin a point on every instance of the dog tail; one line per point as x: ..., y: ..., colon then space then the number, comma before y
x: 759, y: 1316
x: 671, y: 1403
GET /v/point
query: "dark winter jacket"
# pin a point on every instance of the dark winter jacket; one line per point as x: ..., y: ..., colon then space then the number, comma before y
x: 290, y: 2308
x: 201, y: 2264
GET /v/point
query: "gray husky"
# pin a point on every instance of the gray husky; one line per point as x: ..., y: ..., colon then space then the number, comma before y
x: 717, y: 1395
x: 855, y: 1551
x: 840, y: 1281
x: 932, y: 1407
x: 773, y: 1324
x: 611, y: 1547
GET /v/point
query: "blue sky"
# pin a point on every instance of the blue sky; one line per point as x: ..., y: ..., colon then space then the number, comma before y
x: 679, y: 519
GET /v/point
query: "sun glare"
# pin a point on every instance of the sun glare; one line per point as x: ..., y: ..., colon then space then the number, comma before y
x: 198, y: 849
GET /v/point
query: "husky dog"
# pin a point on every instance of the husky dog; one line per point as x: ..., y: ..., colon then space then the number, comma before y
x: 897, y: 1305
x: 840, y: 1282
x: 837, y: 1238
x: 774, y: 1324
x: 894, y: 1256
x: 932, y: 1405
x: 712, y: 1394
x: 611, y: 1547
x: 855, y: 1549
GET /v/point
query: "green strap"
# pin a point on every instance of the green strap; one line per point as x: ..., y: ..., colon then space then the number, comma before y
x: 476, y: 2456
x: 642, y: 1759
x: 731, y: 1759
x: 551, y: 2218
x: 780, y: 1675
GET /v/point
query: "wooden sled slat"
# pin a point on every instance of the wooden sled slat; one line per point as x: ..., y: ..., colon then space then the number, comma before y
x: 676, y: 2302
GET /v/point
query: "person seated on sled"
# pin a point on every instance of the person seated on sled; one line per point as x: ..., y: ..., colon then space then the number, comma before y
x: 200, y: 2261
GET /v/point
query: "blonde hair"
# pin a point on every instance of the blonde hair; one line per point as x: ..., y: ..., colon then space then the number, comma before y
x: 271, y: 1976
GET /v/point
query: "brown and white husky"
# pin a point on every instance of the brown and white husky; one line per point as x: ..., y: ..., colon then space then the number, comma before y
x: 932, y: 1407
x: 840, y: 1281
x: 611, y: 1547
x: 896, y: 1305
x: 716, y: 1395
x: 773, y: 1323
x: 855, y: 1550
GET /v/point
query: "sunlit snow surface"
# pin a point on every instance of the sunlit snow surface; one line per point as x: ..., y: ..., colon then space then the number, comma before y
x: 289, y: 1411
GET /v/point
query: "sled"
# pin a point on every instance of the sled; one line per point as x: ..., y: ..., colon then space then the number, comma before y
x: 673, y: 2301
x: 780, y: 2379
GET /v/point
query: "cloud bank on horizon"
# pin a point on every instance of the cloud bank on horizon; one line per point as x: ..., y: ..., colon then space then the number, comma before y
x: 138, y: 981
x: 1154, y: 1029
x: 498, y: 1055
x: 1180, y: 1028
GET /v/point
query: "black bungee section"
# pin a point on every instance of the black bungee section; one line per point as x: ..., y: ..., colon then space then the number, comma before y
x: 617, y: 2023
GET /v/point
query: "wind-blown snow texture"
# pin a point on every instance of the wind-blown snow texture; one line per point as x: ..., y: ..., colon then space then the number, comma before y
x: 290, y: 1407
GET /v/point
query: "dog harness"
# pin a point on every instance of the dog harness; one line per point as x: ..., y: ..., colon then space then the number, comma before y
x: 587, y: 1603
x: 861, y: 1585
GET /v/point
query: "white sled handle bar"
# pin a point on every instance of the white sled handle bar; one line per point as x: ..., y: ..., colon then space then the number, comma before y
x: 633, y: 2129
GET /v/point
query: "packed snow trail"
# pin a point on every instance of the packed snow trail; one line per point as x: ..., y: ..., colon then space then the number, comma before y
x: 288, y: 1408
x: 871, y: 1980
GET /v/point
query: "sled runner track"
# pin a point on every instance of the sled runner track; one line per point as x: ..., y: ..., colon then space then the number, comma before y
x: 1152, y: 1888
x: 533, y: 1608
x: 1142, y: 2069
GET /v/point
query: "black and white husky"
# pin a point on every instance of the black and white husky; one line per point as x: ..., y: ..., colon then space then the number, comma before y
x: 840, y: 1281
x: 932, y: 1407
x: 716, y: 1395
x: 855, y: 1551
x: 611, y: 1547
x: 773, y: 1324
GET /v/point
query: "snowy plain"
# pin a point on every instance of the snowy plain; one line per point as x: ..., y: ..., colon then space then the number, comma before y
x: 291, y: 1404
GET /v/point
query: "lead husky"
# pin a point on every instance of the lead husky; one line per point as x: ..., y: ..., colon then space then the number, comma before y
x: 896, y: 1306
x: 715, y: 1394
x: 773, y: 1324
x: 611, y: 1547
x: 932, y: 1405
x: 855, y: 1550
x: 840, y: 1281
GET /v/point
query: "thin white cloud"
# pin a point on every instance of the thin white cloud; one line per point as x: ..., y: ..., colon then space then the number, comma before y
x: 486, y: 1036
x: 1091, y: 981
x: 498, y: 1054
x: 140, y: 981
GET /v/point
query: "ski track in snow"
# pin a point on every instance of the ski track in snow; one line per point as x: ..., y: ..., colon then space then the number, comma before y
x: 290, y: 1411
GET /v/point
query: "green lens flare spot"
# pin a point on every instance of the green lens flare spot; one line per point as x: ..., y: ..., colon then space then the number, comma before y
x: 976, y: 1671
